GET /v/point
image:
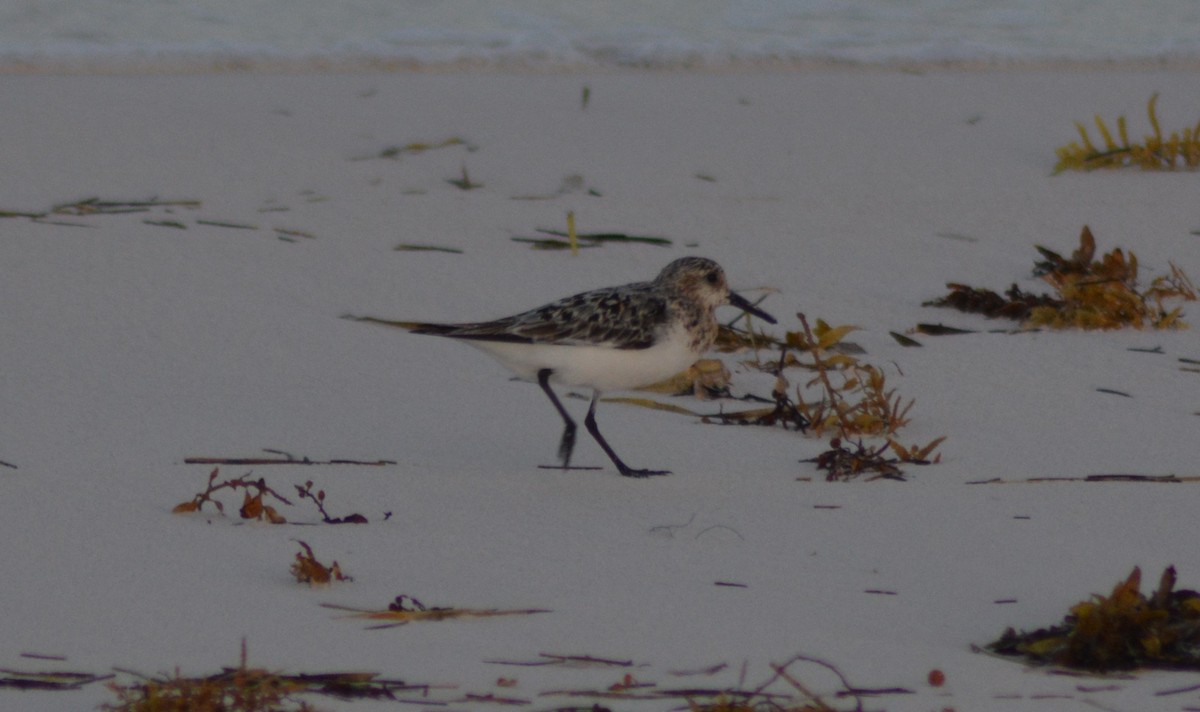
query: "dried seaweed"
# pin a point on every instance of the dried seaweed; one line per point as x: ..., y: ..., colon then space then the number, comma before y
x: 246, y: 689
x: 253, y: 504
x: 556, y: 240
x: 318, y: 498
x: 853, y: 401
x: 252, y: 507
x: 406, y: 609
x: 1179, y: 151
x: 1090, y: 293
x: 1015, y: 304
x: 854, y: 397
x: 1125, y: 630
x: 843, y: 462
x: 783, y: 412
x: 308, y: 570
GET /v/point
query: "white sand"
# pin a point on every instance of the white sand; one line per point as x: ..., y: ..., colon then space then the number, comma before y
x: 126, y: 347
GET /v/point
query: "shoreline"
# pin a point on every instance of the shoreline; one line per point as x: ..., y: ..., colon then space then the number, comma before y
x: 235, y: 64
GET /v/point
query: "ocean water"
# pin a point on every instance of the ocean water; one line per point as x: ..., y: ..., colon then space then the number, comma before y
x: 549, y: 33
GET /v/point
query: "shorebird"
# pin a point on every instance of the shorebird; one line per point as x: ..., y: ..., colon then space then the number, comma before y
x: 613, y: 338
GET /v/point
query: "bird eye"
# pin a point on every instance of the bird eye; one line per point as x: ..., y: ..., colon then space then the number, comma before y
x: 712, y: 277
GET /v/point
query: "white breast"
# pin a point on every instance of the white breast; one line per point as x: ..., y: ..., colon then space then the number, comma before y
x: 598, y: 367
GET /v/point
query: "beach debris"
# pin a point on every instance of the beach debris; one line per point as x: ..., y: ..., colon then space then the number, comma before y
x: 1089, y: 293
x: 97, y: 206
x: 166, y: 223
x: 1117, y: 477
x: 783, y: 412
x: 305, y: 491
x: 573, y: 661
x: 21, y: 214
x: 1125, y: 630
x: 246, y: 689
x: 418, y: 147
x: 57, y: 680
x: 941, y: 330
x: 842, y: 462
x: 226, y: 224
x: 572, y: 233
x: 906, y: 341
x: 1014, y: 304
x: 782, y: 691
x: 854, y: 401
x: 290, y: 235
x: 88, y: 207
x: 253, y: 504
x: 308, y: 570
x: 281, y: 457
x: 1179, y: 151
x: 854, y: 398
x: 960, y: 237
x: 464, y: 182
x: 408, y: 247
x: 91, y: 207
x: 556, y: 240
x: 406, y: 609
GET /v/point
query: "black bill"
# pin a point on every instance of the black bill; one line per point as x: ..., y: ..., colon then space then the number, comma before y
x: 740, y: 302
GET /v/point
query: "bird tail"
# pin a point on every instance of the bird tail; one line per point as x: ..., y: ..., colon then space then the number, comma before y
x: 416, y: 327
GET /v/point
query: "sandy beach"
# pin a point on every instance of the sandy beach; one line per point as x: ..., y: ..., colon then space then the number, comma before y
x: 205, y: 321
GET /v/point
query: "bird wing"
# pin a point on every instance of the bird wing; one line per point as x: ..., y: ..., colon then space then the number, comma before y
x: 628, y: 317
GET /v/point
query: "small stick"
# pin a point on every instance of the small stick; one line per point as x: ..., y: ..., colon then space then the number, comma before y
x: 286, y: 459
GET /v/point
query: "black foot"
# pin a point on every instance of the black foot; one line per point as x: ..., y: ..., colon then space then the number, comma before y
x: 630, y: 472
x: 568, y: 467
x: 566, y: 445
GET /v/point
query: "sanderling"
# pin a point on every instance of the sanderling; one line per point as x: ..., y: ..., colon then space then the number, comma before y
x: 615, y: 338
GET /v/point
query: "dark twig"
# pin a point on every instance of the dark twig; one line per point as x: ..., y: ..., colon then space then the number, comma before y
x: 318, y: 498
x: 1157, y: 479
x: 286, y: 458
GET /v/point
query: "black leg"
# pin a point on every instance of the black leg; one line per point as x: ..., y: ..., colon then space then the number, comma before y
x: 626, y: 470
x: 567, y: 445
